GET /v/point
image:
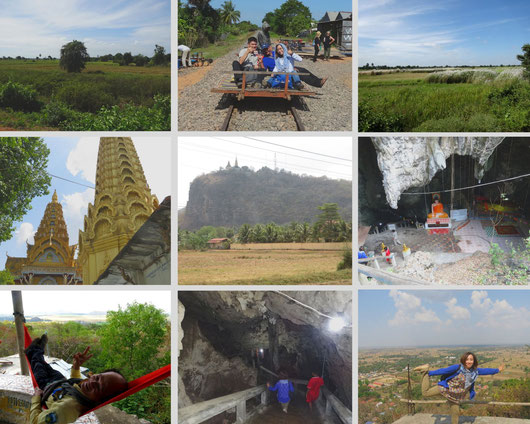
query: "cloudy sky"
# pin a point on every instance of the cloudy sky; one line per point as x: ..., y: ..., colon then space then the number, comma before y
x: 75, y: 159
x: 32, y: 27
x: 51, y: 302
x: 329, y: 156
x: 443, y: 317
x: 451, y: 32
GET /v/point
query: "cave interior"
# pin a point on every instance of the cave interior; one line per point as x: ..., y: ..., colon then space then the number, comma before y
x: 229, y: 337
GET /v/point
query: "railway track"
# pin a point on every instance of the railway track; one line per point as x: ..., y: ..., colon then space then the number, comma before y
x: 241, y: 111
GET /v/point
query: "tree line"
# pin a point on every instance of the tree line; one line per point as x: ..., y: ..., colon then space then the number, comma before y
x: 329, y: 227
x: 200, y: 24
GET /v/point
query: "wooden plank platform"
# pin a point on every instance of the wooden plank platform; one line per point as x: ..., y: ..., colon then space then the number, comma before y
x: 229, y: 86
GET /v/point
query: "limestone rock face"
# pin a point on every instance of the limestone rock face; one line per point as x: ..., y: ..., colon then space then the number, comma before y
x: 222, y: 331
x: 407, y: 162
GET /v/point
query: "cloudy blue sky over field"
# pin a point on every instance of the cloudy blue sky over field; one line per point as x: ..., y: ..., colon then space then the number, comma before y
x: 390, y: 318
x: 32, y: 27
x: 450, y: 32
x: 75, y: 159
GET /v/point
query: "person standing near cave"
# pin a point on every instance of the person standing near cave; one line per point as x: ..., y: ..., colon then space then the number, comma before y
x: 284, y: 388
x: 455, y: 381
x: 313, y: 389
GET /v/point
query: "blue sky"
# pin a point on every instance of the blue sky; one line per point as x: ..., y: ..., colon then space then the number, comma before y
x: 254, y: 11
x: 32, y: 27
x: 443, y: 317
x: 75, y: 159
x: 451, y: 32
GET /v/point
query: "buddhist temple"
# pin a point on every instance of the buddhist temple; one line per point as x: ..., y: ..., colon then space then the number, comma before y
x: 50, y: 260
x: 122, y: 204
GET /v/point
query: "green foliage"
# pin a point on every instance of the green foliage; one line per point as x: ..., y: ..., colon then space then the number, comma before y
x: 56, y: 113
x: 131, y: 339
x: 290, y: 18
x: 326, y: 224
x: 19, y: 97
x: 346, y: 262
x: 159, y: 58
x: 73, y: 56
x: 84, y: 97
x: 229, y: 15
x: 511, y: 267
x: 371, y: 120
x: 127, y: 58
x: 525, y: 60
x: 141, y: 60
x: 6, y: 278
x: 398, y: 102
x: 23, y: 176
x: 125, y: 118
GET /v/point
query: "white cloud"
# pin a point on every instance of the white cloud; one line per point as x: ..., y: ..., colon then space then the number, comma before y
x: 83, y: 158
x: 75, y: 207
x: 499, y: 314
x: 25, y: 232
x: 409, y: 310
x: 457, y: 312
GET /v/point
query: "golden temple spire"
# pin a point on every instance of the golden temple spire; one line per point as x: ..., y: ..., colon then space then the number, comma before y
x: 122, y: 203
x: 54, y: 197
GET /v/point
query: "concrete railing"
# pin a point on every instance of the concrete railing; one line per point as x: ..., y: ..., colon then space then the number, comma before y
x: 388, y: 277
x: 335, y: 405
x: 202, y: 411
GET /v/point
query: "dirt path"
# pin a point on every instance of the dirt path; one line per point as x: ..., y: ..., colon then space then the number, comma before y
x: 191, y: 76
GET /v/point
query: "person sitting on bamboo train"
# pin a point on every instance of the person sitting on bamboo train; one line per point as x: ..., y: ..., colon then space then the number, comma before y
x: 269, y: 63
x: 67, y: 400
x: 455, y: 381
x: 284, y: 62
x: 248, y: 61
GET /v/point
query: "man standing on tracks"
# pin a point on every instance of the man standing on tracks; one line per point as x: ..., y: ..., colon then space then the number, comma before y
x: 186, y: 55
x: 264, y: 37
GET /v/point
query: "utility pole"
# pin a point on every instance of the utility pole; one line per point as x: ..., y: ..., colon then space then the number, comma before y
x: 453, y: 182
x: 18, y: 312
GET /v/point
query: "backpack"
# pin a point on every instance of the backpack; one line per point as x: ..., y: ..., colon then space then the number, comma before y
x: 278, y: 81
x: 60, y: 388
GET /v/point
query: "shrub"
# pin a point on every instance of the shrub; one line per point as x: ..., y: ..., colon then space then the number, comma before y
x: 372, y: 121
x: 56, y: 112
x: 84, y: 97
x: 346, y: 262
x: 19, y: 97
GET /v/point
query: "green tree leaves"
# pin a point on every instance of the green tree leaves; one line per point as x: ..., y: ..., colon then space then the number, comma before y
x: 73, y: 56
x: 290, y: 18
x: 525, y: 60
x: 131, y: 340
x: 23, y: 176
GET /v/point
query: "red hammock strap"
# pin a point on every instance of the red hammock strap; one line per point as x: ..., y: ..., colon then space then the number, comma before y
x: 27, y: 342
x: 139, y: 384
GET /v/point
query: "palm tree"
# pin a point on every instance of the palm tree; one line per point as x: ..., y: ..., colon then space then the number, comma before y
x: 229, y: 14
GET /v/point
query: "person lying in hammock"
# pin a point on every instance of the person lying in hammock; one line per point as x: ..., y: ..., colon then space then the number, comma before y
x: 66, y: 400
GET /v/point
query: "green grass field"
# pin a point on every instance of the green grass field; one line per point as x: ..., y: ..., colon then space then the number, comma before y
x: 406, y: 101
x: 40, y: 95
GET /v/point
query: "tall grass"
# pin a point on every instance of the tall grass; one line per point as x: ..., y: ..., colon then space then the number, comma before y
x: 475, y: 76
x: 412, y: 105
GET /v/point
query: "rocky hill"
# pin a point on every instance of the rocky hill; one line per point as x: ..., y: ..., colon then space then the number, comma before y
x: 235, y: 196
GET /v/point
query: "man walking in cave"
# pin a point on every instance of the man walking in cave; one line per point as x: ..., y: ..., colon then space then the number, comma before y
x: 284, y: 387
x: 313, y: 389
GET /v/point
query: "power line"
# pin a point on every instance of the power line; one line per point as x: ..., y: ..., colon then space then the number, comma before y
x: 70, y: 181
x: 260, y: 160
x: 475, y: 186
x: 289, y: 154
x: 300, y: 150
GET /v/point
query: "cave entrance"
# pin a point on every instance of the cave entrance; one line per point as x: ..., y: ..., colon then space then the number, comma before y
x: 467, y: 208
